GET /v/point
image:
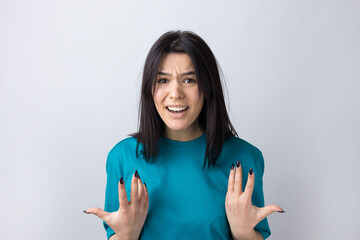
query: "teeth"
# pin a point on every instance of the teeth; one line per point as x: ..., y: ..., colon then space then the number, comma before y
x: 176, y: 109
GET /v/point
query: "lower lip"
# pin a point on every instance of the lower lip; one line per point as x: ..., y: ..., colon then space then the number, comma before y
x: 177, y: 115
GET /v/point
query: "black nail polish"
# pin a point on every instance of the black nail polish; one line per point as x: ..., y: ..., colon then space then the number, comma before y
x: 237, y: 163
x: 251, y: 171
x: 281, y: 211
x: 86, y: 212
x: 121, y: 180
x: 145, y: 184
x: 232, y: 166
x: 137, y: 174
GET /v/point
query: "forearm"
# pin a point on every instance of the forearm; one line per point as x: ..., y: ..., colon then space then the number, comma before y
x: 254, y: 235
x: 116, y: 237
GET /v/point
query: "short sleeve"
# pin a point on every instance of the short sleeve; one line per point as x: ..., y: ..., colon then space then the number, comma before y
x: 258, y: 196
x: 111, y: 193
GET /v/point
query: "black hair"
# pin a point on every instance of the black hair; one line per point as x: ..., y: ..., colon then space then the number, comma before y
x: 213, y: 117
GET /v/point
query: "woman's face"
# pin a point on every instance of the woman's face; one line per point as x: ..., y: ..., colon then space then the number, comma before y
x: 176, y: 97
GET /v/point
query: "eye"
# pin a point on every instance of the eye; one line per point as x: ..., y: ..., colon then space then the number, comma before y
x: 162, y: 80
x: 190, y: 80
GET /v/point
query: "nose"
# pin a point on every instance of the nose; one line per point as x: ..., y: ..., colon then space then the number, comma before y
x: 176, y: 91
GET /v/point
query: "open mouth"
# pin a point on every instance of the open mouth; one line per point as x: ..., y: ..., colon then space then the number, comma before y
x: 177, y: 110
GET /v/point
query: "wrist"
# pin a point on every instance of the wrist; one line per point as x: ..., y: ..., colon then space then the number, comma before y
x: 122, y: 236
x: 248, y: 235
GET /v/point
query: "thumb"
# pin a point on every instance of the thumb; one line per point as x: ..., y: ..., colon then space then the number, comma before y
x: 98, y: 212
x: 269, y: 209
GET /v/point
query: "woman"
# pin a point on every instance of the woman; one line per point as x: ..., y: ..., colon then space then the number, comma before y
x: 185, y: 150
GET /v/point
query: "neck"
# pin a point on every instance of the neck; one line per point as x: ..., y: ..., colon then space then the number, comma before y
x: 184, y: 135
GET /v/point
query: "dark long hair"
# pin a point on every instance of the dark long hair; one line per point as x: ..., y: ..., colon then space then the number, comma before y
x: 213, y: 117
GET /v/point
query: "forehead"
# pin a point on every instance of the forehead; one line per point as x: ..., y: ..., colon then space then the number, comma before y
x: 176, y: 62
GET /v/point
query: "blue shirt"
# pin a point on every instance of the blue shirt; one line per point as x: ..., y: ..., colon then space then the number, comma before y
x: 185, y: 201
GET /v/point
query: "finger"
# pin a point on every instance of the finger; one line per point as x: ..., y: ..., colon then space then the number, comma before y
x: 123, y: 200
x: 140, y: 189
x: 146, y: 196
x: 250, y: 183
x: 269, y: 209
x: 98, y: 212
x: 238, y: 179
x: 231, y: 179
x: 134, y: 187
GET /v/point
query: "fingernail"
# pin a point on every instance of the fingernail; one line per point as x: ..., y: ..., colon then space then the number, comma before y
x: 86, y: 212
x: 251, y: 171
x: 232, y: 166
x: 237, y: 163
x: 145, y: 184
x: 137, y: 174
x: 121, y: 180
x: 282, y: 211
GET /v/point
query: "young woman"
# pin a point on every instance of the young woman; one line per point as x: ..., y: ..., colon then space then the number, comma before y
x: 203, y: 181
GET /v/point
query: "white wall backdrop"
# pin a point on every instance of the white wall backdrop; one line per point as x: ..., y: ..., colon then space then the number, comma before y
x: 70, y: 73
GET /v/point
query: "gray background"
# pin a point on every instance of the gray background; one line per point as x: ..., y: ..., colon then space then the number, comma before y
x: 70, y: 75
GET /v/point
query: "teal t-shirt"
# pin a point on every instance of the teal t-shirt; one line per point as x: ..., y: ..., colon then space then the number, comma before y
x: 185, y: 200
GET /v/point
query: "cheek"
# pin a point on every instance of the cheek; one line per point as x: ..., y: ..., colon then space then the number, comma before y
x: 158, y: 96
x: 198, y: 99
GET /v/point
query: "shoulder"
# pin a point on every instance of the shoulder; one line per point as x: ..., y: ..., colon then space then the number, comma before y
x: 244, y: 150
x: 239, y: 144
x: 125, y: 144
x: 121, y: 149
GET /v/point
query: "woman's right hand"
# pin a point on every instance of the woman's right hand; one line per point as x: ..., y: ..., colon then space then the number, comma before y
x: 129, y: 219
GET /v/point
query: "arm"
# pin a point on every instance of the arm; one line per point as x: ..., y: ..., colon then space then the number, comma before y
x: 254, y: 235
x: 115, y: 237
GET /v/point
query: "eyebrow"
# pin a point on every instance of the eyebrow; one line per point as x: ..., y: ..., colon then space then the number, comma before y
x: 182, y: 74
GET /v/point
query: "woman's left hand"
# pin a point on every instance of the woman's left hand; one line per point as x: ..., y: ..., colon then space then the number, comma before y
x: 242, y: 215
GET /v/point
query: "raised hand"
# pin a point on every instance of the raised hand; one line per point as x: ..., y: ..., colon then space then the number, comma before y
x: 242, y: 215
x: 129, y: 219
